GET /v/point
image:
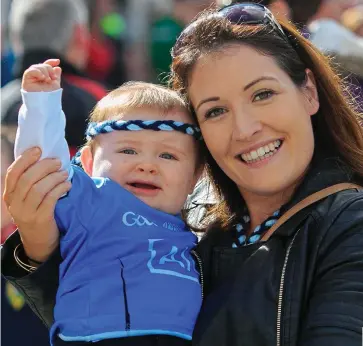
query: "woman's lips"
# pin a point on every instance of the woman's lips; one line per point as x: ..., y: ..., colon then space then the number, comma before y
x: 261, y: 161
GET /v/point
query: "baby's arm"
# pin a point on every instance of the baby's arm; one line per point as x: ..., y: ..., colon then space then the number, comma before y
x: 41, y: 121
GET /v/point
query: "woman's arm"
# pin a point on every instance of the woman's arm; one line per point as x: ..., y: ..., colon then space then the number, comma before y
x: 334, y: 314
x: 32, y: 190
x: 38, y: 287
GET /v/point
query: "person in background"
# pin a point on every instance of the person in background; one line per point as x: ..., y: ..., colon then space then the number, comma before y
x: 326, y: 23
x: 42, y: 29
x: 164, y: 31
x: 329, y: 30
x: 304, y: 12
x: 7, y: 56
x: 106, y: 62
x: 139, y: 16
x: 352, y: 19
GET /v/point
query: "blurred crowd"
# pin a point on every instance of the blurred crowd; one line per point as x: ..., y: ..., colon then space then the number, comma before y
x: 103, y: 43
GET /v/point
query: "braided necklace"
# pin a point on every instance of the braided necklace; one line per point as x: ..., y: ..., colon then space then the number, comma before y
x: 241, y: 237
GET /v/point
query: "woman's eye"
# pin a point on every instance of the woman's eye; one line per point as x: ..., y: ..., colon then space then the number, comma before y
x: 128, y: 152
x: 215, y: 112
x: 263, y: 95
x: 167, y: 156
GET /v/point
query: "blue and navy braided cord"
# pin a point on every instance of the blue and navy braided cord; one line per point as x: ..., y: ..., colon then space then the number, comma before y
x: 242, y: 227
x: 95, y: 129
x: 76, y: 159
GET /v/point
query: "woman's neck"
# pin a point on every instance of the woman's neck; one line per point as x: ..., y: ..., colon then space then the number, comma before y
x: 262, y: 207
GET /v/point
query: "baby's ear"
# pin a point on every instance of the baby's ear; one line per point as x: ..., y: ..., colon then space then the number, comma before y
x: 87, y: 159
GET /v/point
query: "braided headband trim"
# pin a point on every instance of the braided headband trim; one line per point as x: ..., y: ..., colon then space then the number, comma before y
x: 95, y: 129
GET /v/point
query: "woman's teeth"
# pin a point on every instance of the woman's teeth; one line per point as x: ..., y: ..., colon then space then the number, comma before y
x: 262, y: 152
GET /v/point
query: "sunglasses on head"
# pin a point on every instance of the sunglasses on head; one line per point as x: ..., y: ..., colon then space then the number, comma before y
x: 243, y: 13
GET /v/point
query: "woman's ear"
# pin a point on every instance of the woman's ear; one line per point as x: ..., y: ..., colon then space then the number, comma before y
x: 87, y: 159
x: 311, y: 93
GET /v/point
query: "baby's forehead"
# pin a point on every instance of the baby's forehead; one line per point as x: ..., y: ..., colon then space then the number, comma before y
x: 177, y: 114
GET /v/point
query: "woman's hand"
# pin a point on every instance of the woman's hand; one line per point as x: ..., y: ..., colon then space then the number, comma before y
x: 32, y: 190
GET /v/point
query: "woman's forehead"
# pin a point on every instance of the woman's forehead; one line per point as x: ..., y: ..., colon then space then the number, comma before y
x: 236, y: 66
x: 247, y: 59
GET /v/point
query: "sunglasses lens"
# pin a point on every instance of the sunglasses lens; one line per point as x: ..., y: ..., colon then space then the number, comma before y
x: 244, y: 13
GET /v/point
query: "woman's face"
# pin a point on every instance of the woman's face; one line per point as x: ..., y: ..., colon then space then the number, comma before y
x: 256, y: 123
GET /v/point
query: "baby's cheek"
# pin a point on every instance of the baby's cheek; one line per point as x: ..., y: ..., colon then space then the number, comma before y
x: 102, y: 168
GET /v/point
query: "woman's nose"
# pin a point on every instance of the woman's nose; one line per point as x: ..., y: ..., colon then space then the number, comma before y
x: 245, y: 126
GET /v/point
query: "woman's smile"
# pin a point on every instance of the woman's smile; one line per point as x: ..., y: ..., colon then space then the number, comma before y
x: 261, y: 155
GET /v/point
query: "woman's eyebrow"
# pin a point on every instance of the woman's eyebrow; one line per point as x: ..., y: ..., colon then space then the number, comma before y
x: 257, y: 80
x: 210, y: 99
x: 249, y: 85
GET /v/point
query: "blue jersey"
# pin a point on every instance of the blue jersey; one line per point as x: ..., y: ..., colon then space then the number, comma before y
x: 127, y: 268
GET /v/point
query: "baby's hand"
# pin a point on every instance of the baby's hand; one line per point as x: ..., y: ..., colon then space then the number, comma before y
x: 42, y: 77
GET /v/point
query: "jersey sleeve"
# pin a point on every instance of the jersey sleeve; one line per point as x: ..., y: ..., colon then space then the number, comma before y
x: 41, y: 123
x: 84, y: 200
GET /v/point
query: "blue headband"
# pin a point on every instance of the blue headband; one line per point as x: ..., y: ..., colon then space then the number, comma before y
x: 95, y: 129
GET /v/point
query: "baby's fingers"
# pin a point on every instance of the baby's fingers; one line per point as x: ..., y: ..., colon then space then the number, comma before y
x: 53, y: 68
x: 34, y: 72
x: 47, y: 71
x: 58, y: 72
x: 52, y: 62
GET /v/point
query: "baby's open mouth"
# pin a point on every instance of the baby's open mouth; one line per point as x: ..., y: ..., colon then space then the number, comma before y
x: 144, y: 186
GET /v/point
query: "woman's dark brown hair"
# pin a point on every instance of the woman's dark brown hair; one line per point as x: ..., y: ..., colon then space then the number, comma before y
x: 336, y: 122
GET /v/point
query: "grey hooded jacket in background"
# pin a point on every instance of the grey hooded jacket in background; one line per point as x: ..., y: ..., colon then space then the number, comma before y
x: 334, y: 39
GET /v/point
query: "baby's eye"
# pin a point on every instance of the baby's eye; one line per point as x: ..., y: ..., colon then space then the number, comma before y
x: 214, y: 112
x: 128, y: 151
x: 167, y: 156
x: 263, y: 95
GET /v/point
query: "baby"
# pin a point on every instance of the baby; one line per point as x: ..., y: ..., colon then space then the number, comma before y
x: 128, y: 275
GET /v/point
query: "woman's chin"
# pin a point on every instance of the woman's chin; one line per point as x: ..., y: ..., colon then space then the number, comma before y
x: 268, y: 186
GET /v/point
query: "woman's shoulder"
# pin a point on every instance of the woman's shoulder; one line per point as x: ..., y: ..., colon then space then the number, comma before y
x: 340, y: 217
x: 341, y: 204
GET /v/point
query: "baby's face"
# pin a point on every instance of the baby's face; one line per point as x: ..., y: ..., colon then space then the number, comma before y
x: 159, y: 167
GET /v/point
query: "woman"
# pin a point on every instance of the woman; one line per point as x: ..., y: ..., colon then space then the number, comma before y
x: 279, y: 132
